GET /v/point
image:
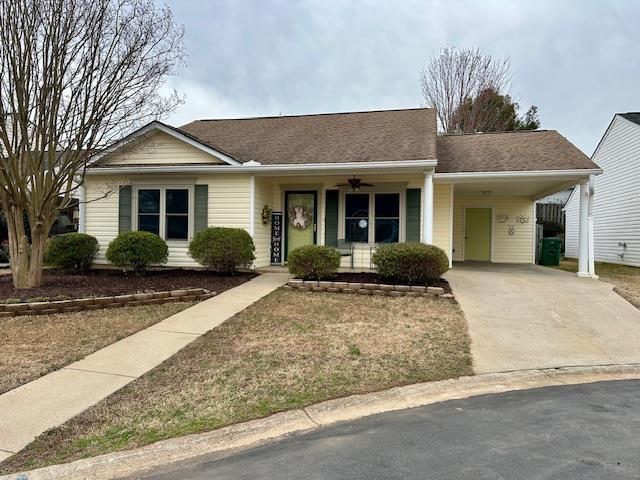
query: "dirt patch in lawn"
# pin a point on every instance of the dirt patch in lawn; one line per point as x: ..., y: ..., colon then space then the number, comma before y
x: 626, y: 279
x: 370, y: 277
x: 34, y: 345
x: 95, y: 283
x: 288, y: 350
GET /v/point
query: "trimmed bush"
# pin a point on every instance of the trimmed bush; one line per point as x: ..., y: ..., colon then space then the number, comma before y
x: 313, y: 262
x: 222, y: 249
x: 137, y: 250
x: 71, y: 251
x: 413, y: 263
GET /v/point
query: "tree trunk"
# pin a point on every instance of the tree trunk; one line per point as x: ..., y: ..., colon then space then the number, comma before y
x: 27, y: 261
x: 36, y: 259
x: 18, y: 246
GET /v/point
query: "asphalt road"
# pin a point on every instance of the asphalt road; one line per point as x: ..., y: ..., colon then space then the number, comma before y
x: 570, y: 432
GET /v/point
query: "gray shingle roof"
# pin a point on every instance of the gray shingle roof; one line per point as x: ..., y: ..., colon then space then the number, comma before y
x: 386, y: 135
x: 509, y: 151
x: 632, y: 116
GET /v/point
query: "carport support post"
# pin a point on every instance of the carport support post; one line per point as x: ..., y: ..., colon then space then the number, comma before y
x: 592, y: 254
x: 583, y: 232
x: 427, y: 216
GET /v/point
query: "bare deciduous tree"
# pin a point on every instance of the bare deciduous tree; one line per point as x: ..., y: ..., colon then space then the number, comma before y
x: 74, y: 76
x: 454, y: 76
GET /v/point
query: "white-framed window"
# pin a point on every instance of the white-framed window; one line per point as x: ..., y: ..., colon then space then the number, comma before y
x: 166, y: 211
x: 372, y: 217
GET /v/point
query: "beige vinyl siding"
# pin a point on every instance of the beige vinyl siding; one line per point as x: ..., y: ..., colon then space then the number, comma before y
x: 228, y: 200
x: 442, y: 215
x: 505, y: 248
x: 159, y: 148
x: 101, y: 210
x: 228, y: 206
x: 262, y: 233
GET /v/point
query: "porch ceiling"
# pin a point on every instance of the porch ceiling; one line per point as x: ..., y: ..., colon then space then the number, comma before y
x: 537, y: 187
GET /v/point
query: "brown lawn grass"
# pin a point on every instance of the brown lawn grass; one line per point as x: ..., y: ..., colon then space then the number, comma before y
x: 34, y: 345
x: 288, y: 350
x: 626, y: 279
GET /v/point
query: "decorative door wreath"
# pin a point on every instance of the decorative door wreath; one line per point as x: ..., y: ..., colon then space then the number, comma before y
x: 300, y: 216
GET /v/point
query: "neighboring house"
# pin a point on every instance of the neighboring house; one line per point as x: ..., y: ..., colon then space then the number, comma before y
x: 352, y: 180
x: 616, y: 199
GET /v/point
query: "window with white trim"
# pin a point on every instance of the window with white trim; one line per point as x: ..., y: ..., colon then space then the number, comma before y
x: 164, y: 211
x: 372, y: 217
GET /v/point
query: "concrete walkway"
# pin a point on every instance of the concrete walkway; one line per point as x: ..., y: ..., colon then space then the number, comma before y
x: 527, y: 316
x: 49, y: 401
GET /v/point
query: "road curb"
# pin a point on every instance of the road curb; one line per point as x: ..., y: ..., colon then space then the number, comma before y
x: 226, y: 441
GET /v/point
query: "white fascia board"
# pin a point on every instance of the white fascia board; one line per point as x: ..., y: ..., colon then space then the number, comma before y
x: 470, y: 176
x: 327, y: 168
x: 161, y: 127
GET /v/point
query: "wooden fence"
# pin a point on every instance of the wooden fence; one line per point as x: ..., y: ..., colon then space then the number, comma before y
x: 549, y: 212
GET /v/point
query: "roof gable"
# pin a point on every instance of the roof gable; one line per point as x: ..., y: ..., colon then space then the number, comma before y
x: 160, y: 144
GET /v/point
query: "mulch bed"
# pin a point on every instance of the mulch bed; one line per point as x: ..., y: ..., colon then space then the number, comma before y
x: 97, y: 283
x: 370, y: 277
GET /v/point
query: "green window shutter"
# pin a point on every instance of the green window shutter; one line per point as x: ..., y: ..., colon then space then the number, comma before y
x: 413, y: 215
x: 201, y: 205
x: 331, y: 218
x: 124, y: 209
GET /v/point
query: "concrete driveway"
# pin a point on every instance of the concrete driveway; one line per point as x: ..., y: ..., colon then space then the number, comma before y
x: 527, y: 316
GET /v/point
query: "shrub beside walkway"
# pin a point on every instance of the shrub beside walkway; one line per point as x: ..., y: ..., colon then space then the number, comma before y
x: 35, y: 407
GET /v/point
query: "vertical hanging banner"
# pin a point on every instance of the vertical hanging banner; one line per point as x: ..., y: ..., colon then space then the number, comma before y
x: 276, y: 238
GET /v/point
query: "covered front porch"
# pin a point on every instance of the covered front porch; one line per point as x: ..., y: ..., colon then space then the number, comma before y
x: 471, y: 216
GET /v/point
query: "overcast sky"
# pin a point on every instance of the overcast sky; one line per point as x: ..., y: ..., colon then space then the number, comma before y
x: 578, y: 61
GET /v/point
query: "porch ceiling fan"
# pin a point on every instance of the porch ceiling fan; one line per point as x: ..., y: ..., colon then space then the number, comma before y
x: 354, y: 183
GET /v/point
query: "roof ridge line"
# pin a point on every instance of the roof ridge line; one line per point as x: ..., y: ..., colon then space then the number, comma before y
x: 470, y: 134
x: 311, y: 114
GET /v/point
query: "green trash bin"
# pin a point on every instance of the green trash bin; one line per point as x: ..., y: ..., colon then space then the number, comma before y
x: 550, y: 251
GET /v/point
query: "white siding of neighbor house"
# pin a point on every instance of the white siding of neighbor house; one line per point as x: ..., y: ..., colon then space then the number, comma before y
x: 505, y: 248
x: 616, y: 204
x: 571, y: 219
x: 159, y: 148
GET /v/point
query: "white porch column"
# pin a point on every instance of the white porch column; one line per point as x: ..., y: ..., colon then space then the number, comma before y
x: 82, y: 209
x: 583, y: 232
x: 427, y: 214
x: 592, y: 254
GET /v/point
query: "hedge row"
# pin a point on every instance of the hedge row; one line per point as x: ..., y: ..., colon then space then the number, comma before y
x: 219, y: 249
x: 225, y: 250
x: 408, y: 263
